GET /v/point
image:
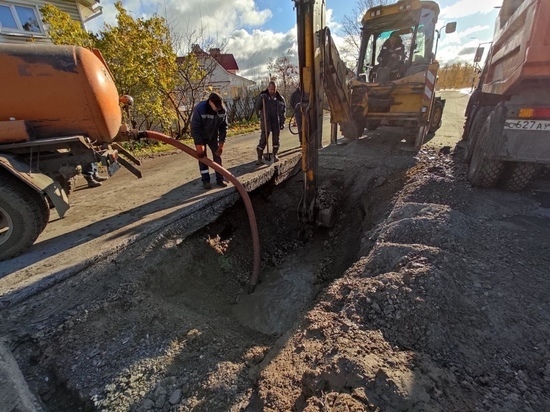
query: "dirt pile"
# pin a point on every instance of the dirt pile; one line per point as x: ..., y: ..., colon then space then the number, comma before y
x: 448, y: 312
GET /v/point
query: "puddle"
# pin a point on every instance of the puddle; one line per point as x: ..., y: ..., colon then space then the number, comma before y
x: 279, y: 298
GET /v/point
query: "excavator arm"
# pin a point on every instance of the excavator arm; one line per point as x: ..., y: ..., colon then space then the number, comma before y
x: 321, y: 70
x: 335, y: 81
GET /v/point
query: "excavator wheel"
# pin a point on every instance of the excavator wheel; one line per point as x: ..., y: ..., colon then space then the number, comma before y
x: 411, y: 132
x: 372, y: 124
x: 436, y: 117
x: 353, y: 130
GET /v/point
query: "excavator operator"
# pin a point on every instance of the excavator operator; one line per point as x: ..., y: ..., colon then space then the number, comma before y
x: 391, y: 57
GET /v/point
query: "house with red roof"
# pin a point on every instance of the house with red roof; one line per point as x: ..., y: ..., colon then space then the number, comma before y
x: 222, y: 71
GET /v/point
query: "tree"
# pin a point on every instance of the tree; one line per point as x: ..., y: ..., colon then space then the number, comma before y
x: 191, y: 86
x: 64, y: 30
x: 351, y: 28
x: 284, y: 71
x: 140, y: 55
x: 195, y: 70
x: 456, y: 76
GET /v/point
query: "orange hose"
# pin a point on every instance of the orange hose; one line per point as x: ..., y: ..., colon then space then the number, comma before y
x: 240, y: 188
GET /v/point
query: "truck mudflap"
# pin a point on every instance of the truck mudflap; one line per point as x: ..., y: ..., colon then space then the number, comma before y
x: 37, y: 181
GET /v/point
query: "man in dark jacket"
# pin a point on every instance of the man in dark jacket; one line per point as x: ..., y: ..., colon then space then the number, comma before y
x: 209, y: 128
x: 272, y: 108
x: 392, y: 55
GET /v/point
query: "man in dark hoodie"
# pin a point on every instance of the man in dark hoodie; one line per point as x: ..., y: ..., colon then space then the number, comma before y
x: 209, y: 128
x: 272, y: 108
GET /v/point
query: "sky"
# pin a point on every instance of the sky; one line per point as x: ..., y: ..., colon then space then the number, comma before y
x: 256, y: 30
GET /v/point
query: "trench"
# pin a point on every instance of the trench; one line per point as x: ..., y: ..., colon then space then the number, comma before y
x: 177, y: 307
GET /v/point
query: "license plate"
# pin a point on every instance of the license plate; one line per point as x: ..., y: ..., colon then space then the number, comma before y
x: 541, y: 125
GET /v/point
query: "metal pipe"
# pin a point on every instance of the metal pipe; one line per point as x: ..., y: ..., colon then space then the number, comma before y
x: 240, y: 188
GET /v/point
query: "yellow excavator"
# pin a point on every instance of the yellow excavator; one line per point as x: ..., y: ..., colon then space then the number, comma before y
x: 397, y: 70
x: 394, y: 83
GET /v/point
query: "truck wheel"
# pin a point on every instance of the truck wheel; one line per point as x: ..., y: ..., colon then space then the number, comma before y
x: 472, y: 101
x: 21, y: 219
x: 436, y: 117
x: 44, y: 205
x: 349, y: 131
x: 473, y: 134
x: 517, y: 175
x: 484, y: 172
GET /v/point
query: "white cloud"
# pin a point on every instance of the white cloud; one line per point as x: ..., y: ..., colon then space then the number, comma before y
x: 218, y: 17
x: 461, y: 53
x: 461, y: 36
x: 463, y: 8
x: 334, y: 26
x: 218, y: 21
x: 252, y: 51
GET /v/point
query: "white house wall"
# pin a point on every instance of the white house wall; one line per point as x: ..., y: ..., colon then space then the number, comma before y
x: 228, y: 84
x: 69, y: 7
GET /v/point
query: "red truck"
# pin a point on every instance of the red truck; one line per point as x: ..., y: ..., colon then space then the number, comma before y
x: 507, y: 129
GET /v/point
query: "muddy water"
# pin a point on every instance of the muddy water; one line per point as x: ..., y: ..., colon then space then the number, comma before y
x: 283, y: 293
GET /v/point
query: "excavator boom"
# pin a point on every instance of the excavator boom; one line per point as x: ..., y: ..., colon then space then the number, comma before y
x: 321, y: 69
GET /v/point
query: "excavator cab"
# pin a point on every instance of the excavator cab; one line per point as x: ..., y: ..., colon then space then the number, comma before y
x: 415, y: 32
x: 397, y: 71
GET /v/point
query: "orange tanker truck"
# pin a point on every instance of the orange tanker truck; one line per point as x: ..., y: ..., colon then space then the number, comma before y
x: 59, y: 110
x: 507, y: 130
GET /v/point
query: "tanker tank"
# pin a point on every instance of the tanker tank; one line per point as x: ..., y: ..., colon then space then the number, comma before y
x: 58, y: 91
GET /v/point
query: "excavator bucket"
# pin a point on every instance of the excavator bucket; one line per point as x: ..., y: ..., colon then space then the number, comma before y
x: 310, y: 19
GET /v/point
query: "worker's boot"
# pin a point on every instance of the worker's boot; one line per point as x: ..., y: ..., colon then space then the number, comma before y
x: 99, y: 178
x: 91, y: 181
x: 260, y: 153
x: 275, y: 158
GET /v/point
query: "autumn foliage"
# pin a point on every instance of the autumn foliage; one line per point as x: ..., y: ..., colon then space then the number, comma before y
x: 457, y: 76
x: 139, y: 54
